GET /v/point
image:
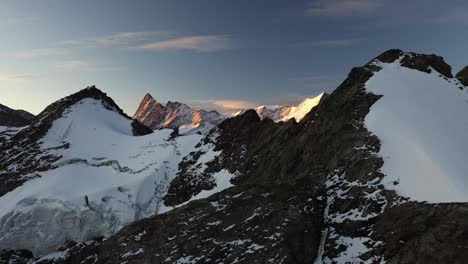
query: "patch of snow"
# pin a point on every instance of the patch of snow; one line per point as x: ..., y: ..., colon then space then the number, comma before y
x: 131, y: 253
x: 422, y: 124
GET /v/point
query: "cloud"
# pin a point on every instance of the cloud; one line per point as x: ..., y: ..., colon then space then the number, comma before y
x: 226, y: 106
x: 118, y: 39
x: 344, y: 8
x: 208, y: 43
x: 81, y: 65
x: 12, y: 77
x: 41, y: 53
x: 333, y: 43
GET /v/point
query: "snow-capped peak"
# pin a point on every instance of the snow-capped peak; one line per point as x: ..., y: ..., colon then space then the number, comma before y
x: 176, y: 115
x: 284, y: 113
x: 82, y: 173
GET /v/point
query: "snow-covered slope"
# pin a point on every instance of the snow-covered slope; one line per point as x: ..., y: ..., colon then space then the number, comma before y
x: 176, y: 115
x: 422, y: 124
x: 104, y: 178
x: 284, y: 113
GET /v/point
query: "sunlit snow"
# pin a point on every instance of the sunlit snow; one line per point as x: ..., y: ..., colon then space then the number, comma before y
x: 422, y: 124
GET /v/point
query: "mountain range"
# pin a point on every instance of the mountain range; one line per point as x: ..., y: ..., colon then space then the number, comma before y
x: 374, y: 172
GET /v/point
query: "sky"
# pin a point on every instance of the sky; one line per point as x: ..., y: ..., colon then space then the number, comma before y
x: 216, y: 54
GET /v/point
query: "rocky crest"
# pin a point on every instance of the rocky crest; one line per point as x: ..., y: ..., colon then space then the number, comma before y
x: 463, y: 76
x: 14, y: 118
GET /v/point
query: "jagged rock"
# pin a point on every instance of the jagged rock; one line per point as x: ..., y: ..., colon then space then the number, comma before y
x: 176, y: 115
x: 420, y: 62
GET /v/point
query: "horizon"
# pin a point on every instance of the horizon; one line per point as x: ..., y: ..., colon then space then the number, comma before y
x: 211, y: 55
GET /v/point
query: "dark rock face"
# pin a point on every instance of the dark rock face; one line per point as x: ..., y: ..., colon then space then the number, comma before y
x: 14, y: 118
x: 463, y: 76
x: 425, y: 233
x: 15, y: 257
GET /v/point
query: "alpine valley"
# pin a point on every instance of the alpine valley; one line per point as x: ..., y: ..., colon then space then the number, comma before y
x: 374, y: 172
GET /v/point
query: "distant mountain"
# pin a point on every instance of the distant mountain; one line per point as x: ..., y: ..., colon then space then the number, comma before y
x: 14, y: 118
x: 176, y: 115
x: 284, y: 113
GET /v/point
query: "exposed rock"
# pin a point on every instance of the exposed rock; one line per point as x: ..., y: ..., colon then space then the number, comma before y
x: 14, y: 118
x: 421, y: 62
x: 463, y: 76
x: 424, y: 233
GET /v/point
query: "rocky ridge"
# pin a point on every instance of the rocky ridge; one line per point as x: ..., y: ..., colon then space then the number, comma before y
x: 14, y: 118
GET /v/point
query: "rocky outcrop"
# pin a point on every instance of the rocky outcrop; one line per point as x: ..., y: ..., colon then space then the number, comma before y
x: 463, y: 76
x: 14, y: 118
x: 420, y: 62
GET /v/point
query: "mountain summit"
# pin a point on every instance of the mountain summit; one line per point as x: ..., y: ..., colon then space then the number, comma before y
x: 175, y: 115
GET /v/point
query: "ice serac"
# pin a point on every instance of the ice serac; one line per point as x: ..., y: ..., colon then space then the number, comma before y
x: 14, y: 118
x: 176, y: 115
x: 285, y: 113
x: 80, y: 172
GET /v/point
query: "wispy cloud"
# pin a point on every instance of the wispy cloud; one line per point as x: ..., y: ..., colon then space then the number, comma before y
x: 81, y: 65
x: 118, y: 39
x: 208, y: 43
x: 333, y: 43
x: 226, y: 106
x: 13, y: 77
x: 48, y: 52
x: 344, y: 8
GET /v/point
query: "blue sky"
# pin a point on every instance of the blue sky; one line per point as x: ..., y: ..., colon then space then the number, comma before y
x: 213, y: 54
